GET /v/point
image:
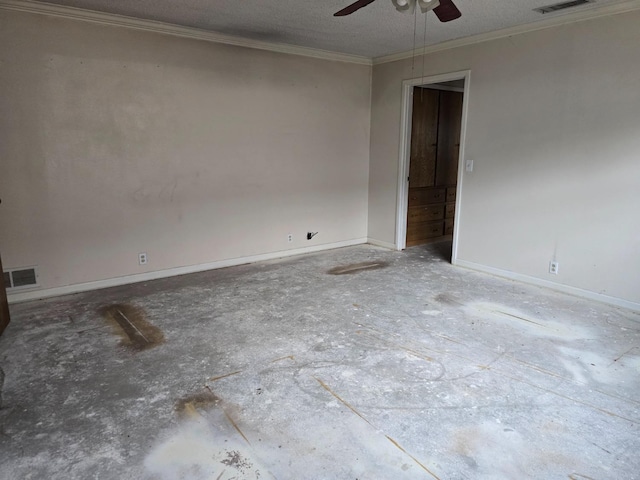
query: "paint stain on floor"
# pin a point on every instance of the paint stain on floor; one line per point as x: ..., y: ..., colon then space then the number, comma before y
x: 188, y: 405
x: 498, y: 314
x: 199, y: 450
x: 447, y: 299
x: 356, y: 268
x: 131, y: 324
x: 236, y: 460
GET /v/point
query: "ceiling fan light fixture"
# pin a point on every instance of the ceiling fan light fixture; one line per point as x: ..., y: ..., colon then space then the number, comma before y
x: 427, y: 5
x: 404, y: 6
x: 445, y: 10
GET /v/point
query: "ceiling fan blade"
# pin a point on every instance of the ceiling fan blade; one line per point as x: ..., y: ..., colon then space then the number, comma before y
x: 447, y: 11
x: 353, y: 7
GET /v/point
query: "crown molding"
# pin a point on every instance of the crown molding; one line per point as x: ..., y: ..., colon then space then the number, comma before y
x: 114, y: 20
x: 588, y: 14
x: 41, y: 8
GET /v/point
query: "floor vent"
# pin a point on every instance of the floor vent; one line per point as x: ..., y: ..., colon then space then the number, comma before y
x: 561, y: 6
x: 18, y: 278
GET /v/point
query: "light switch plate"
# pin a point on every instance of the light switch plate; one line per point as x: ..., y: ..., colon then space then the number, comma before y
x: 469, y: 166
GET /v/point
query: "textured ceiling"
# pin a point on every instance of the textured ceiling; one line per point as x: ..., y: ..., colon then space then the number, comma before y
x: 373, y: 31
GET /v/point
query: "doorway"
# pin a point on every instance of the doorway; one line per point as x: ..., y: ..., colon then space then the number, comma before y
x: 433, y: 162
x: 431, y: 153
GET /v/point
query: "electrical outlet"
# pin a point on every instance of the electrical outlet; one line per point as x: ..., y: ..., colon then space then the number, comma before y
x: 553, y: 267
x: 142, y: 259
x: 290, y: 238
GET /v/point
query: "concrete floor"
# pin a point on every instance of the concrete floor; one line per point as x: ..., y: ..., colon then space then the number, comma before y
x: 408, y: 368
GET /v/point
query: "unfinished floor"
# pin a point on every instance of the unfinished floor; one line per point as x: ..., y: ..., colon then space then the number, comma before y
x: 357, y: 363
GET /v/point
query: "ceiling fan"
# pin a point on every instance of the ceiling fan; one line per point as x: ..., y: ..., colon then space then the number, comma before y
x: 445, y: 10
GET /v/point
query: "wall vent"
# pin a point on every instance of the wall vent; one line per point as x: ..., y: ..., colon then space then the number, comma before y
x: 561, y: 6
x: 19, y: 278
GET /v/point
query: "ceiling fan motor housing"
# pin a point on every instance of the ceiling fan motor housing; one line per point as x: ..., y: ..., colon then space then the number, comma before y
x: 445, y: 10
x: 409, y: 6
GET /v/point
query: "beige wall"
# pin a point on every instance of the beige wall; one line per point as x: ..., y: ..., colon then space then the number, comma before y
x: 554, y: 130
x: 115, y: 142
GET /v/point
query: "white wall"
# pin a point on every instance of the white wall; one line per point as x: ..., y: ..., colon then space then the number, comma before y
x: 115, y: 142
x: 554, y: 130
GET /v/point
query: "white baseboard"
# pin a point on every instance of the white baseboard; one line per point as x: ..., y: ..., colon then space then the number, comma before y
x: 171, y: 272
x: 575, y: 291
x: 379, y: 243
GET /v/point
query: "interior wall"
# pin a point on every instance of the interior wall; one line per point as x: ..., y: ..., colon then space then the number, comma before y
x: 115, y: 142
x: 553, y: 131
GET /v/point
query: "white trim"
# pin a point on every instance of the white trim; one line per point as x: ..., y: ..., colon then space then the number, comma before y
x: 405, y: 152
x: 380, y: 243
x: 144, y: 277
x: 403, y: 164
x: 111, y: 19
x: 444, y: 87
x: 575, y: 291
x: 555, y: 21
x: 461, y: 166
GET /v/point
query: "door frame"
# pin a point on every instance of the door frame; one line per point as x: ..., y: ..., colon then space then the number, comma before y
x: 405, y: 152
x: 5, y: 318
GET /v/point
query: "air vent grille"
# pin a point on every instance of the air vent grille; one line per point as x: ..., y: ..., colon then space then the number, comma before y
x: 18, y: 278
x: 562, y: 6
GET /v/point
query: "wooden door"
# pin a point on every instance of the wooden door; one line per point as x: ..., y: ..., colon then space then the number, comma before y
x: 449, y: 126
x: 433, y: 168
x: 422, y: 167
x: 4, y: 304
x: 424, y: 138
